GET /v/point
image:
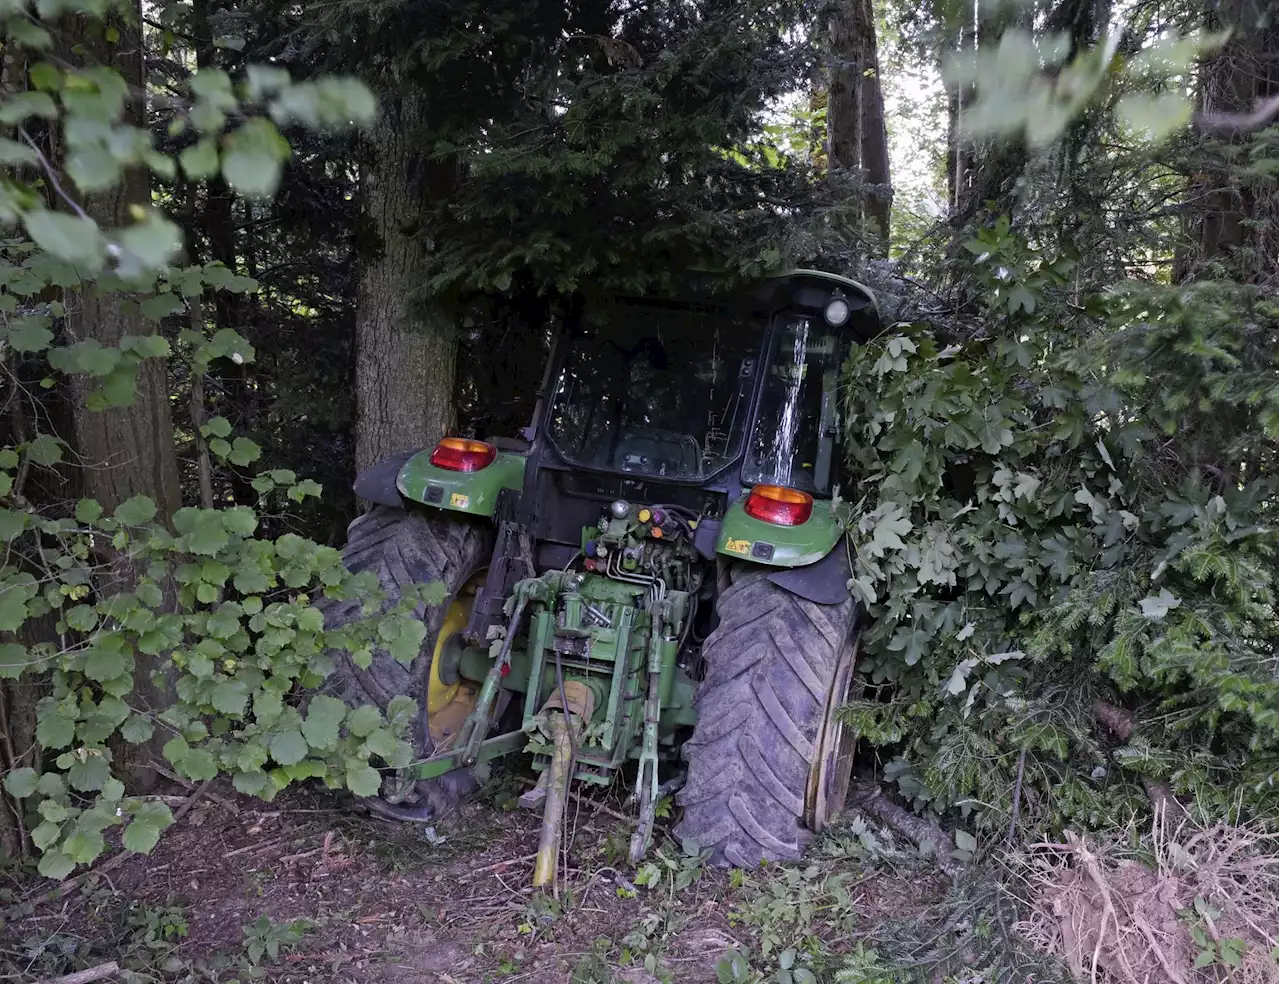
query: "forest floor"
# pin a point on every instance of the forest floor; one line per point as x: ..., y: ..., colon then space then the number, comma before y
x: 303, y: 890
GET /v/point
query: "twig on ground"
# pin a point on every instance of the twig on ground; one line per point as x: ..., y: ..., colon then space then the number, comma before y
x: 86, y: 976
x: 213, y: 797
x: 250, y: 848
x: 191, y: 800
x: 499, y: 864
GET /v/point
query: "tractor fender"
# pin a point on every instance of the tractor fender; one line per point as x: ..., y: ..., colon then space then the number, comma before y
x: 823, y: 583
x: 378, y: 484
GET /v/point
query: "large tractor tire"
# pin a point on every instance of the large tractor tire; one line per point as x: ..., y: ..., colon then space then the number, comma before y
x: 403, y: 548
x: 769, y: 761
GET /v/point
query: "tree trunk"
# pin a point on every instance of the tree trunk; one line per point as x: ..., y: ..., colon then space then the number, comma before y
x: 857, y: 137
x: 875, y: 152
x: 406, y: 346
x: 125, y: 451
x: 1232, y: 216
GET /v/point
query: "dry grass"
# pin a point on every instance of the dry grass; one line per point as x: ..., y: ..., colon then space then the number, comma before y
x: 1115, y: 919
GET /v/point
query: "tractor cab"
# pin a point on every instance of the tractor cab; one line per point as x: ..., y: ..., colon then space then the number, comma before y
x: 648, y: 583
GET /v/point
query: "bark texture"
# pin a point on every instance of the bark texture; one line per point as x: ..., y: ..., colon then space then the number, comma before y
x: 1232, y: 216
x: 124, y: 451
x: 857, y: 137
x: 406, y: 347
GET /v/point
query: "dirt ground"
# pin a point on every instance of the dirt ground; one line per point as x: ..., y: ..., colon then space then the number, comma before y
x: 393, y: 903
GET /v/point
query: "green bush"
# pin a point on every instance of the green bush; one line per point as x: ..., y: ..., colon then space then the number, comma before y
x: 1075, y: 502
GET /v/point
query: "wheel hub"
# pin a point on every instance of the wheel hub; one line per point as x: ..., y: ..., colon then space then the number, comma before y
x: 450, y: 697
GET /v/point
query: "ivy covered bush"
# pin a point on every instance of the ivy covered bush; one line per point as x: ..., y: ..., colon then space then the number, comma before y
x: 1066, y: 539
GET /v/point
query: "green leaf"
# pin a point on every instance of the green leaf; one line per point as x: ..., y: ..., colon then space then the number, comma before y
x: 216, y: 427
x: 324, y: 716
x: 326, y: 102
x: 364, y: 720
x: 288, y: 747
x: 89, y: 773
x: 384, y: 744
x: 19, y: 106
x: 84, y: 846
x: 150, y: 244
x: 45, y: 450
x: 200, y: 159
x: 13, y: 657
x: 12, y: 152
x: 21, y: 782
x: 104, y: 664
x: 161, y: 306
x: 69, y: 237
x: 252, y: 158
x: 11, y: 524
x: 230, y: 697
x: 29, y: 334
x: 55, y: 865
x: 88, y: 511
x: 223, y: 624
x: 407, y: 644
x: 244, y: 452
x: 136, y: 511
x: 113, y: 790
x: 198, y: 764
x: 54, y: 729
x: 965, y: 841
x: 145, y: 828
x: 45, y: 834
x: 82, y: 618
x: 362, y: 779
x: 401, y: 710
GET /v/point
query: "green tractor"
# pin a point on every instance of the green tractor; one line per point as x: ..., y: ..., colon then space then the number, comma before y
x: 650, y: 586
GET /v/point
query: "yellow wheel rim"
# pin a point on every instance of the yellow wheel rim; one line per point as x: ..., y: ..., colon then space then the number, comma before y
x: 450, y: 704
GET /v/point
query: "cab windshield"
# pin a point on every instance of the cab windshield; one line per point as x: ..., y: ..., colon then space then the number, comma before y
x: 794, y: 437
x: 656, y: 389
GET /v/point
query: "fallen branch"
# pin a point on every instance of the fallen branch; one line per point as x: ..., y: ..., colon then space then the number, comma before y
x: 213, y: 797
x: 871, y: 801
x: 86, y: 976
x: 191, y: 800
x: 1121, y: 722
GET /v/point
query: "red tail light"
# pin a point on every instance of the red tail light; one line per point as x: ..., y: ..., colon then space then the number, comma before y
x: 779, y: 506
x: 460, y: 454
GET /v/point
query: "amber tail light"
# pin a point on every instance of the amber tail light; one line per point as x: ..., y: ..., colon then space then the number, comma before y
x: 462, y: 455
x: 779, y: 506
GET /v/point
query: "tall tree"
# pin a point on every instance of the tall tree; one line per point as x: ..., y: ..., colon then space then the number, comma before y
x: 857, y: 137
x: 1231, y: 208
x: 406, y: 343
x: 125, y: 451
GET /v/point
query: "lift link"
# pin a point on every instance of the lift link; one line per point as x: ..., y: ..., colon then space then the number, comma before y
x: 477, y: 725
x: 565, y: 724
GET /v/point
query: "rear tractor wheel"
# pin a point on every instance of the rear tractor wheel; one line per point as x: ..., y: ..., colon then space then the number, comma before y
x: 770, y: 760
x: 404, y: 548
